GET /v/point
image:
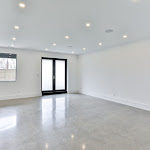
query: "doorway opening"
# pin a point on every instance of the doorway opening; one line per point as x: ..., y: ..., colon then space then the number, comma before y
x: 54, y: 76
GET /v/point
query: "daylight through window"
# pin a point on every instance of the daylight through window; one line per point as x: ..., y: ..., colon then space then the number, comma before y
x: 8, y: 67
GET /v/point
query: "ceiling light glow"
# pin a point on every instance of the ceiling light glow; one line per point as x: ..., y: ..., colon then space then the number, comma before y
x: 72, y: 52
x: 84, y: 49
x: 16, y: 27
x: 83, y: 146
x: 72, y: 136
x: 12, y: 45
x: 46, y: 146
x: 22, y: 5
x: 54, y: 44
x: 14, y: 38
x: 125, y: 36
x: 67, y: 37
x: 100, y: 44
x: 87, y: 24
x: 46, y: 49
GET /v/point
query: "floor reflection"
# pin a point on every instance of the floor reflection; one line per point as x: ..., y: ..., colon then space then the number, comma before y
x: 79, y: 122
x: 8, y: 122
x: 47, y: 109
x: 54, y: 109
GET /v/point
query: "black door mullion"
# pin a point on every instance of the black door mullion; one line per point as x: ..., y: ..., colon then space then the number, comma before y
x: 54, y: 75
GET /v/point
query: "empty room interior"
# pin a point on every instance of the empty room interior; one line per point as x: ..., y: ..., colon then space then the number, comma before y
x: 74, y: 75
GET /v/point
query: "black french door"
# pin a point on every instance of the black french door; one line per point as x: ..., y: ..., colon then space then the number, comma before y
x: 54, y: 76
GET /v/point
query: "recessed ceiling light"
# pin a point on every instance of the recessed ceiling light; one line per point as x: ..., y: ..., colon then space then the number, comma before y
x: 46, y: 146
x: 100, y: 44
x: 125, y: 36
x: 46, y: 49
x: 54, y: 44
x: 16, y: 27
x: 72, y: 52
x: 12, y: 45
x: 22, y: 5
x: 83, y: 146
x: 72, y: 136
x: 87, y: 24
x: 67, y: 37
x: 84, y: 49
x: 14, y: 38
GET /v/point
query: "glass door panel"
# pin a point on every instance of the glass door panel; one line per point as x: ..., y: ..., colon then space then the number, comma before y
x: 60, y: 75
x: 54, y: 76
x: 47, y: 75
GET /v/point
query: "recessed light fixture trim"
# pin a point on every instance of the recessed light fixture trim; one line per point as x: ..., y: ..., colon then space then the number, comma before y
x: 109, y: 30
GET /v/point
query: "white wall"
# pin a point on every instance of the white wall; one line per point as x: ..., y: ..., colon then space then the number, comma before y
x: 28, y: 82
x: 120, y: 74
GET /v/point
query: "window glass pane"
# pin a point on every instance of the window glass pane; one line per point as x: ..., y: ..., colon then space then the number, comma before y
x: 47, y: 75
x: 60, y: 75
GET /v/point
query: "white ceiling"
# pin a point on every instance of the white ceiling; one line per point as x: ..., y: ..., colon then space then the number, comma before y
x: 44, y: 22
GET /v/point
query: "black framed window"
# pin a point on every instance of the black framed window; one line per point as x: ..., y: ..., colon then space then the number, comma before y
x: 8, y: 67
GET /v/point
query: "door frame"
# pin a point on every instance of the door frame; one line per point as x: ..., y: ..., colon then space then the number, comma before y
x: 54, y: 91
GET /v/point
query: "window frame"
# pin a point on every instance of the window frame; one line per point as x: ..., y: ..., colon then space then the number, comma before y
x: 15, y: 69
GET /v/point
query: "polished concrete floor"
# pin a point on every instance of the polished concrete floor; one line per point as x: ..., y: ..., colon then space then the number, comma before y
x: 72, y: 122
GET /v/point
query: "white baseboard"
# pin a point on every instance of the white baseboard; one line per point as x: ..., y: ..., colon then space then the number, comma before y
x: 117, y: 100
x: 72, y: 92
x: 20, y: 96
